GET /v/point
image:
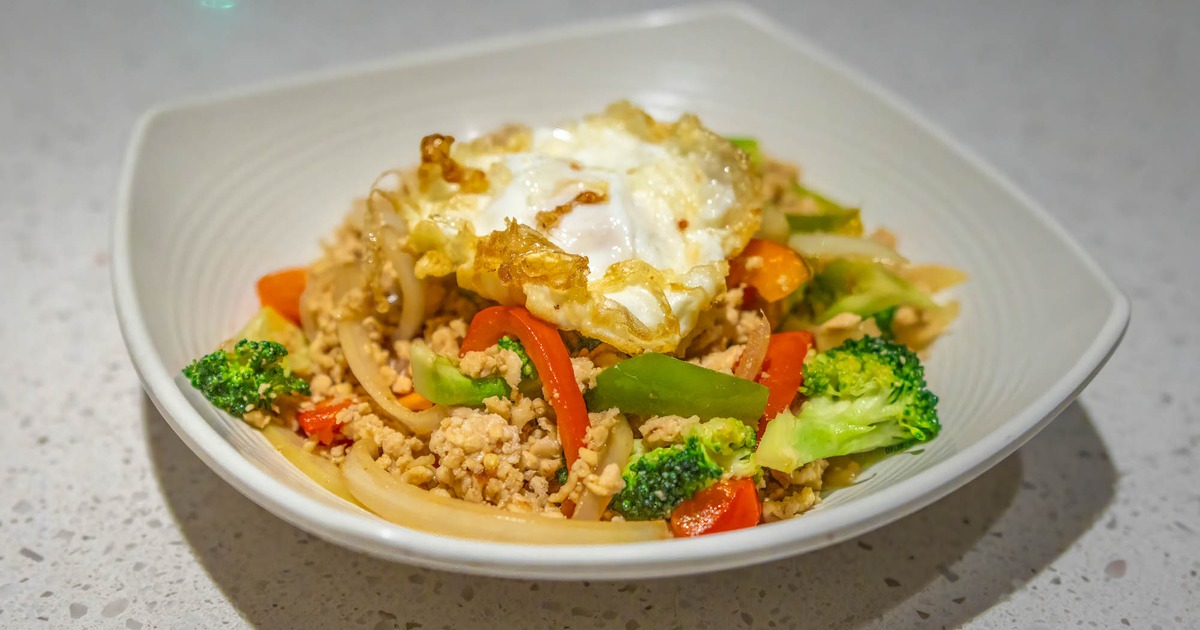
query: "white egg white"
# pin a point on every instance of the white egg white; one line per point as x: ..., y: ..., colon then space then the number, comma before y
x: 652, y: 201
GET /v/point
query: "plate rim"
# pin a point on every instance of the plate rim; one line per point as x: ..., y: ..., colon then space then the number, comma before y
x: 630, y: 560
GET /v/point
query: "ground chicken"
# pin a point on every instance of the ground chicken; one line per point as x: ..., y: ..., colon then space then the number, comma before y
x: 842, y: 321
x: 779, y: 182
x: 542, y: 454
x: 479, y: 456
x: 505, y: 454
x: 906, y: 316
x: 884, y: 237
x: 399, y: 381
x: 257, y: 418
x: 663, y: 430
x: 842, y: 327
x: 791, y: 505
x: 747, y: 323
x: 324, y: 348
x: 493, y: 361
x: 788, y: 496
x: 583, y: 475
x: 585, y: 373
x: 445, y: 337
x: 607, y: 483
x: 518, y: 412
x: 721, y: 326
x: 721, y: 360
x: 320, y: 385
x: 603, y: 356
x: 403, y: 455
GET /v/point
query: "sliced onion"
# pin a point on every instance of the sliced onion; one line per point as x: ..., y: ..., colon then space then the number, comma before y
x: 412, y: 507
x: 315, y: 467
x: 393, y: 221
x: 774, y: 226
x: 372, y: 262
x: 752, y: 357
x: 383, y: 231
x: 412, y: 297
x: 308, y: 318
x: 933, y: 323
x: 932, y: 278
x: 406, y: 182
x: 396, y: 173
x: 356, y: 346
x: 616, y: 451
x: 344, y: 278
x: 820, y: 245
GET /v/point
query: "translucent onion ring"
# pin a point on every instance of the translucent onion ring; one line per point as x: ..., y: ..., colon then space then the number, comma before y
x: 324, y: 472
x: 617, y: 450
x: 355, y: 342
x: 410, y: 506
x: 412, y: 297
x: 752, y: 357
x: 818, y: 245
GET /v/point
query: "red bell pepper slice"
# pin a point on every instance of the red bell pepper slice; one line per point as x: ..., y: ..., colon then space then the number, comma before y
x: 721, y: 507
x: 549, y: 355
x: 281, y: 291
x: 321, y: 422
x: 783, y: 372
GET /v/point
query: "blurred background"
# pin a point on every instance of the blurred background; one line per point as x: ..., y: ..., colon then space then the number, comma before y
x: 107, y: 520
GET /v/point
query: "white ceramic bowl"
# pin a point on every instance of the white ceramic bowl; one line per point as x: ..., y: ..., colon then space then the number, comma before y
x: 219, y: 191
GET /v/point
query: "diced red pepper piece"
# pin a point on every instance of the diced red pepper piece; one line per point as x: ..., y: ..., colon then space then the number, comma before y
x: 321, y: 422
x: 721, y: 507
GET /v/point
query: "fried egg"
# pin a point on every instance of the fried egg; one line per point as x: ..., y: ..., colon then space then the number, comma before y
x: 617, y: 226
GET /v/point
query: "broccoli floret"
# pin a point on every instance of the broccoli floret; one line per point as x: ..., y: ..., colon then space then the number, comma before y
x: 246, y: 378
x: 508, y: 343
x: 861, y: 287
x: 658, y: 481
x: 883, y: 321
x: 862, y: 395
x: 562, y: 474
x: 729, y: 443
x: 531, y: 383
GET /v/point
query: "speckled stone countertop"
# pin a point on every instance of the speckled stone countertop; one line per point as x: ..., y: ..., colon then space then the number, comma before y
x: 107, y: 520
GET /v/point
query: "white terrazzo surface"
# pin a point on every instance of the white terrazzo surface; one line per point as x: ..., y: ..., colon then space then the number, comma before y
x: 107, y: 520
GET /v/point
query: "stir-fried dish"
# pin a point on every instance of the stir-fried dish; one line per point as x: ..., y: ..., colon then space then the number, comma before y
x: 615, y: 329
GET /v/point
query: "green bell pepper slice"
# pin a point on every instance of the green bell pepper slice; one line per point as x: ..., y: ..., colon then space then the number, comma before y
x: 832, y: 217
x: 655, y: 384
x: 437, y: 378
x: 749, y: 146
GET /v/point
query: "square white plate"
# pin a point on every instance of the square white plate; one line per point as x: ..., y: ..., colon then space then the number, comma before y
x: 219, y: 191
